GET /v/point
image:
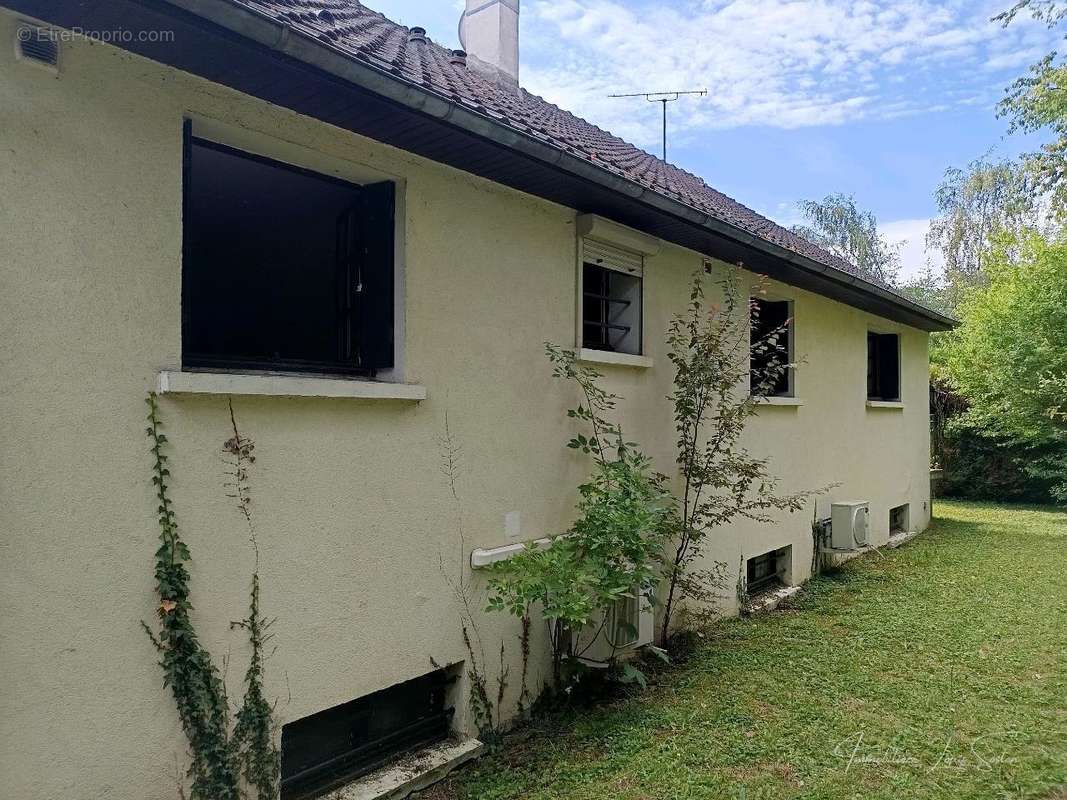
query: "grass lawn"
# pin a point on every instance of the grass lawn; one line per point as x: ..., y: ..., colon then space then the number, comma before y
x: 938, y: 670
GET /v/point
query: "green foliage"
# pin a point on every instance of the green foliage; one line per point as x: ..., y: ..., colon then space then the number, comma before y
x: 1009, y: 358
x: 484, y: 711
x: 253, y: 733
x: 218, y: 759
x: 613, y: 547
x: 837, y: 225
x: 188, y: 669
x: 929, y: 672
x: 976, y: 207
x: 711, y: 348
x: 1038, y: 102
x: 981, y: 465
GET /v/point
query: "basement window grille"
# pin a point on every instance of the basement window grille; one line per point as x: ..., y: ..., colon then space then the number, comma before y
x: 338, y: 745
x: 764, y: 571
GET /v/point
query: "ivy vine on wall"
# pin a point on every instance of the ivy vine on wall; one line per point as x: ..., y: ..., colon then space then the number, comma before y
x: 220, y: 751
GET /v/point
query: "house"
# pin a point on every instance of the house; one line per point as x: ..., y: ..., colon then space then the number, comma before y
x: 363, y: 240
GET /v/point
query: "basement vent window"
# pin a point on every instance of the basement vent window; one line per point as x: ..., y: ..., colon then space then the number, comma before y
x: 900, y: 519
x: 883, y: 366
x: 772, y: 342
x: 341, y: 744
x: 37, y: 46
x: 612, y: 286
x: 767, y: 571
x: 283, y: 269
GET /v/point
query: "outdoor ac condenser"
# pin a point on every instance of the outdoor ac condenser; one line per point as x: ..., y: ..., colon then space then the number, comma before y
x: 628, y: 625
x: 849, y: 525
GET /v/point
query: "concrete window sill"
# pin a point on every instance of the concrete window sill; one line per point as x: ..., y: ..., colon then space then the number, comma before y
x: 615, y: 359
x: 180, y: 382
x: 483, y: 557
x: 412, y: 773
x: 885, y: 404
x: 793, y: 402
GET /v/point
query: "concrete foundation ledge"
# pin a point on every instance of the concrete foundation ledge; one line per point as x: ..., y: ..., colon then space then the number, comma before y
x: 413, y: 772
x: 768, y: 601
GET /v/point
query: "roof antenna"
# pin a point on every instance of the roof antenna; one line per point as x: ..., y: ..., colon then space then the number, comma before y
x: 664, y: 98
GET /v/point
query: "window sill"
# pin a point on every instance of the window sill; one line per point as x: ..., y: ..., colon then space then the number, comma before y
x: 591, y: 356
x: 484, y: 557
x: 181, y: 382
x: 897, y: 404
x: 793, y: 402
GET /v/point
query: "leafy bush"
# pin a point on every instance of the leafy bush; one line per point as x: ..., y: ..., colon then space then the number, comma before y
x: 980, y: 465
x: 1009, y: 357
x: 613, y: 549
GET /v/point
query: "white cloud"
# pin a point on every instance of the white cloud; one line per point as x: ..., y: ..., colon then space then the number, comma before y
x: 910, y: 236
x: 783, y: 63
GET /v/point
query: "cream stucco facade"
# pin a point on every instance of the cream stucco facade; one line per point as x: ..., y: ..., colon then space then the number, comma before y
x: 354, y: 516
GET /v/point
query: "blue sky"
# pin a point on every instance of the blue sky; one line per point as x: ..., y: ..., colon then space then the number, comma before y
x: 870, y: 97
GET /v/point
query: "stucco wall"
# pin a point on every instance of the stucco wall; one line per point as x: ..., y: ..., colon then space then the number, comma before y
x: 353, y: 513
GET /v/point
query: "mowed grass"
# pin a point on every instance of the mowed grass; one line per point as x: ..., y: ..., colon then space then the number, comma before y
x: 938, y: 670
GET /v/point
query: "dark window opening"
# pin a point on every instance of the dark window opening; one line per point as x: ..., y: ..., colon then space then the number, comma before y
x: 771, y: 348
x: 611, y: 310
x: 341, y: 744
x: 883, y: 366
x: 282, y: 268
x: 899, y: 519
x: 765, y: 571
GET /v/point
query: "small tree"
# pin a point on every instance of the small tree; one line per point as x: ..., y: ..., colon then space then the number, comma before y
x: 613, y: 549
x: 711, y: 349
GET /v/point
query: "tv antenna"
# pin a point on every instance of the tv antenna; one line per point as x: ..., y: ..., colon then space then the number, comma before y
x: 664, y: 98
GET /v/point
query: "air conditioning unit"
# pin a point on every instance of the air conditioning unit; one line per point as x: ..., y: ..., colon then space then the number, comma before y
x: 626, y: 626
x: 849, y: 525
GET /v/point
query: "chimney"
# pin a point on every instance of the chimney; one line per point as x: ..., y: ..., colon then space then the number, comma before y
x: 489, y: 32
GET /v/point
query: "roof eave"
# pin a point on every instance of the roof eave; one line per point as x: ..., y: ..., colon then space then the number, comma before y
x: 311, y: 52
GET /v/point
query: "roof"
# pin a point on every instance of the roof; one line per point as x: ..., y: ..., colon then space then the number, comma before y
x: 369, y: 36
x: 345, y: 64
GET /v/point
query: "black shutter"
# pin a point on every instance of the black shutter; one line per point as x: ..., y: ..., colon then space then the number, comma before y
x: 187, y: 187
x: 374, y: 288
x: 348, y: 261
x: 872, y: 365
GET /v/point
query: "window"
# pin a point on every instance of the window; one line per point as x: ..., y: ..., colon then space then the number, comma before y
x: 282, y: 268
x: 883, y: 366
x: 772, y: 343
x: 342, y: 743
x: 765, y: 571
x: 900, y: 519
x: 611, y: 299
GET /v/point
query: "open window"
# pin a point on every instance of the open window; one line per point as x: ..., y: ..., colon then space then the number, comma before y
x: 612, y: 287
x: 772, y: 347
x: 283, y: 269
x: 883, y: 366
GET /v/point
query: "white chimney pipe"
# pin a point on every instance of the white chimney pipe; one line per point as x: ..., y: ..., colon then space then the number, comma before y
x: 489, y: 32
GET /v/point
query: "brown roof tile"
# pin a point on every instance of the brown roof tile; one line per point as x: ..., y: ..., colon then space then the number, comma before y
x: 367, y: 35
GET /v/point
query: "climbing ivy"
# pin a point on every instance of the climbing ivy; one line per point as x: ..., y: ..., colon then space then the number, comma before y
x: 188, y: 670
x: 218, y: 759
x: 253, y: 733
